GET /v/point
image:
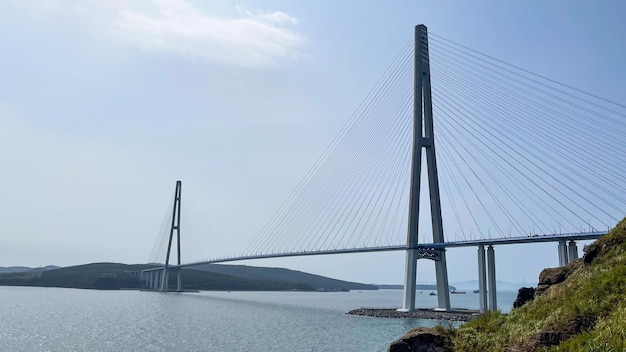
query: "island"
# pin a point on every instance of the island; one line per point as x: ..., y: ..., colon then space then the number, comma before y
x: 115, y: 276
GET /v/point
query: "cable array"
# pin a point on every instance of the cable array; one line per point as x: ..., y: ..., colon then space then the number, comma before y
x: 518, y: 155
x: 199, y: 242
x: 159, y: 248
x: 355, y: 195
x: 522, y: 154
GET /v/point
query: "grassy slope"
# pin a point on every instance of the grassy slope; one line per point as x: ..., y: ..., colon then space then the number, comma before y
x: 587, y: 310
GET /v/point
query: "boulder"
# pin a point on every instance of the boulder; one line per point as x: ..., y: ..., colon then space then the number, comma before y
x: 422, y: 340
x: 591, y: 251
x: 604, y: 244
x: 524, y: 295
x: 551, y: 276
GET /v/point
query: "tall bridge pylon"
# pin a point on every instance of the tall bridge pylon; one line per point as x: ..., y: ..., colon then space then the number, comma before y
x: 423, y: 138
x: 175, y: 227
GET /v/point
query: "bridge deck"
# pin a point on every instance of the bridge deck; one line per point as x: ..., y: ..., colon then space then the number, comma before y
x: 426, y: 246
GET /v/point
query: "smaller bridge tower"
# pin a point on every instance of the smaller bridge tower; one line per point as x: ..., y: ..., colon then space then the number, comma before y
x: 175, y: 227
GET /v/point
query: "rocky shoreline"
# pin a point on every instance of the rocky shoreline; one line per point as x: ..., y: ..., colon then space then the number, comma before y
x: 453, y: 315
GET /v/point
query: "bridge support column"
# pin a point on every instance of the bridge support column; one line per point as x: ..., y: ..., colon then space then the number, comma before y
x: 562, y: 253
x: 482, y: 279
x: 443, y: 289
x: 491, y: 279
x: 410, y: 279
x: 179, y: 280
x: 165, y: 280
x: 572, y: 251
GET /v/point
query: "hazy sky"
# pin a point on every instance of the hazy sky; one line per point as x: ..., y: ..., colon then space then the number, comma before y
x: 105, y: 104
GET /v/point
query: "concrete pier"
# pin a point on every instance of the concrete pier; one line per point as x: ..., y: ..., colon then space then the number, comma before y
x: 563, y: 257
x: 487, y: 291
x: 491, y: 279
x: 165, y: 276
x: 410, y: 278
x: 572, y: 251
x: 482, y: 279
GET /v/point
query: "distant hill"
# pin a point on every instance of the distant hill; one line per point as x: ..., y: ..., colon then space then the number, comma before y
x: 21, y: 269
x: 14, y: 269
x: 229, y: 277
x: 97, y: 275
x: 462, y: 285
x: 317, y: 282
x: 390, y: 287
x: 500, y: 285
x: 425, y: 287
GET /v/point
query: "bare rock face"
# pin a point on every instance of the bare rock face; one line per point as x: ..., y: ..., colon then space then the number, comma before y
x: 591, y: 251
x: 551, y: 276
x: 604, y: 244
x: 524, y: 295
x: 421, y: 340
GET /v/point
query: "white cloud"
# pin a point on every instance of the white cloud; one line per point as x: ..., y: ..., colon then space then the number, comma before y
x: 276, y: 17
x: 280, y: 18
x: 246, y: 38
x: 176, y: 26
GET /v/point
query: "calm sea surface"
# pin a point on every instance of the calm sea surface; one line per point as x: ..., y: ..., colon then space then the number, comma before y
x: 56, y: 319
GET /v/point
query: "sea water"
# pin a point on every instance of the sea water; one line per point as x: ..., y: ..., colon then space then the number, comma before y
x: 57, y: 319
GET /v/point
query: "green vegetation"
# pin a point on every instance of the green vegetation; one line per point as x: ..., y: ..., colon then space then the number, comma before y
x: 96, y: 276
x: 586, y: 312
x: 113, y: 276
x: 206, y: 280
x: 283, y: 275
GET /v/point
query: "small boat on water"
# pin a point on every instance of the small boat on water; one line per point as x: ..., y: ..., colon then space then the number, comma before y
x: 432, y: 294
x: 458, y: 292
x: 476, y: 291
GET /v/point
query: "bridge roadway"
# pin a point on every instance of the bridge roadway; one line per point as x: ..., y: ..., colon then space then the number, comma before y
x: 158, y: 276
x: 425, y: 247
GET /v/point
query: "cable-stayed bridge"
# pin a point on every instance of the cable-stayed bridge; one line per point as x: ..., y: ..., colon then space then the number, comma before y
x: 519, y: 158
